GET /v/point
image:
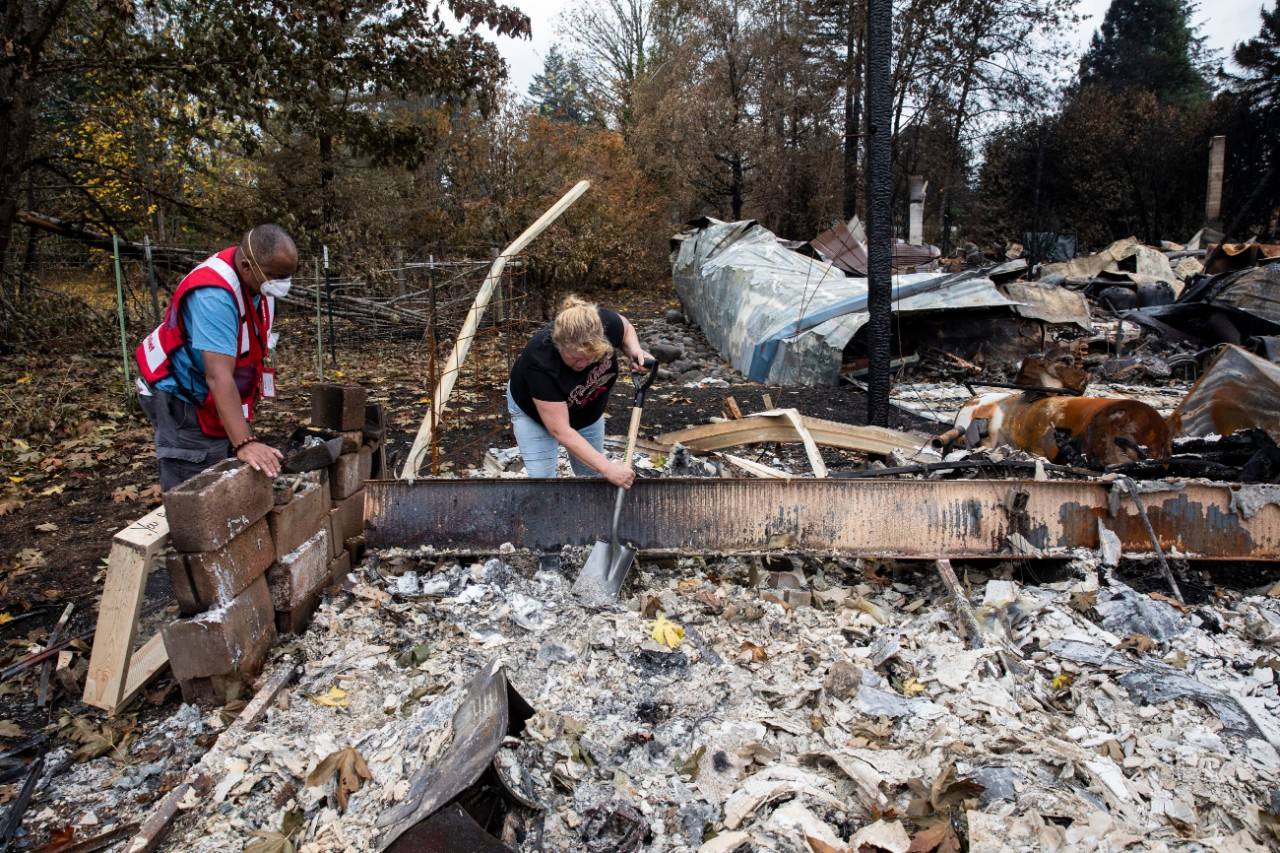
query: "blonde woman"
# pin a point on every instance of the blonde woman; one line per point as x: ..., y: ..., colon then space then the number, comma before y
x: 559, y: 388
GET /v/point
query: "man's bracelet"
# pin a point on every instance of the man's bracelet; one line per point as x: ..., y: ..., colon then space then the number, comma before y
x: 250, y: 440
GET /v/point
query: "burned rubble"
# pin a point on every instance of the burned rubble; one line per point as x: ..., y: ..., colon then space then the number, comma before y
x: 1039, y: 615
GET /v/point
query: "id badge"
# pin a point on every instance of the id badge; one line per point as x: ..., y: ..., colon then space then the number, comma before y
x: 269, y: 382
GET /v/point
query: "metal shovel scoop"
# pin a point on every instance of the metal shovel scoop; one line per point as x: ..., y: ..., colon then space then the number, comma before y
x: 609, y: 562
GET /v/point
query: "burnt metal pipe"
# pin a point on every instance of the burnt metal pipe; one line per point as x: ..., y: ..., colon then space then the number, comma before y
x: 879, y: 206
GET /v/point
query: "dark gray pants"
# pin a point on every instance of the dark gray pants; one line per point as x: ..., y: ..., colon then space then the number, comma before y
x: 181, y: 448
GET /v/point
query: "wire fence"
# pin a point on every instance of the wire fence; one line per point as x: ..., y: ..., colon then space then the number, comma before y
x: 413, y: 305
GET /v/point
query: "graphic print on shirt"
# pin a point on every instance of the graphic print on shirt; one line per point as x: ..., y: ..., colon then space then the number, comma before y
x: 593, y: 386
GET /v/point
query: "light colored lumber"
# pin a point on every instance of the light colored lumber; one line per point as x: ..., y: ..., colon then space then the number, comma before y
x: 203, y: 773
x: 758, y: 469
x: 444, y: 387
x: 732, y: 410
x: 775, y: 428
x: 810, y: 447
x: 147, y: 662
x: 109, y: 679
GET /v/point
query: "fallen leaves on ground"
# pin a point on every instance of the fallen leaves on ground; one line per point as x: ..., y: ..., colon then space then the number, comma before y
x: 8, y: 728
x: 334, y: 697
x: 349, y: 767
x: 97, y: 739
x: 666, y: 632
x: 269, y: 842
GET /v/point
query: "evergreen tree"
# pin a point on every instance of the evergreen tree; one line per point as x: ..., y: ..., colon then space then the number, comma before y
x: 1147, y: 45
x: 560, y: 92
x: 1260, y: 59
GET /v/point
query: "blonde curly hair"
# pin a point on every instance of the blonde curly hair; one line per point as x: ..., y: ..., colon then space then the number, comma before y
x: 578, y: 328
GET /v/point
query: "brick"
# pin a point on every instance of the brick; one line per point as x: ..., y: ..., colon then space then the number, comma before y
x: 337, y: 407
x: 355, y: 547
x: 350, y: 516
x: 295, y: 621
x: 210, y: 578
x: 298, y: 520
x: 375, y: 423
x: 339, y: 566
x: 349, y: 472
x: 352, y: 441
x: 230, y: 640
x: 213, y: 507
x: 301, y: 572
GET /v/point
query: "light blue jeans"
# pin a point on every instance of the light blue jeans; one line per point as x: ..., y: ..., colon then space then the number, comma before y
x: 539, y: 448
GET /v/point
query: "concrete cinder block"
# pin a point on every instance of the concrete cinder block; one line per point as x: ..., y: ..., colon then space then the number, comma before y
x: 337, y: 407
x: 339, y: 567
x: 213, y: 507
x: 298, y: 520
x: 354, y: 546
x: 352, y: 441
x: 230, y: 640
x: 211, y: 578
x: 295, y: 621
x: 348, y: 473
x: 349, y: 514
x: 297, y: 579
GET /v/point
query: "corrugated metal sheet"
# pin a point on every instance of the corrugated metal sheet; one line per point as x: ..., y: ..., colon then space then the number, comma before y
x: 1238, y: 391
x: 740, y: 285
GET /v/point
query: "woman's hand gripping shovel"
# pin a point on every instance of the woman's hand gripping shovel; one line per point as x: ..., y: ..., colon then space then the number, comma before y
x: 609, y: 562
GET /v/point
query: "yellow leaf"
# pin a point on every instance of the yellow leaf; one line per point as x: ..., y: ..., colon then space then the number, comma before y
x: 666, y: 632
x: 334, y: 697
x: 16, y: 480
x: 424, y: 400
x: 24, y: 379
x: 911, y: 687
x: 5, y: 617
x: 53, y: 490
x: 688, y: 584
x: 1061, y: 681
x: 338, y: 374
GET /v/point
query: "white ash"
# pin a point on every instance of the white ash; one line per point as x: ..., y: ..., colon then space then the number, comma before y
x: 759, y: 744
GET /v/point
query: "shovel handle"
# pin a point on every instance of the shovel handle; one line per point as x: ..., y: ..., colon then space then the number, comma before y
x: 633, y: 432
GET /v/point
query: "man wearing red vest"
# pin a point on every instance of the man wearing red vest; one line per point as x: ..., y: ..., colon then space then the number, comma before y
x: 203, y: 368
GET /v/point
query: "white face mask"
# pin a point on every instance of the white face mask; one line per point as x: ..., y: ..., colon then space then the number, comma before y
x: 277, y: 287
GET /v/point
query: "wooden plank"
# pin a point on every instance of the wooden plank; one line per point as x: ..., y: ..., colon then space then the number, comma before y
x: 776, y: 428
x: 202, y: 774
x: 444, y: 387
x: 758, y: 469
x: 810, y: 447
x: 147, y: 662
x: 732, y: 410
x: 117, y: 627
x: 147, y: 535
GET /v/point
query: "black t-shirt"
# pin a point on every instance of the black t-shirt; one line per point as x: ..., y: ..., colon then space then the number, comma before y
x: 540, y: 373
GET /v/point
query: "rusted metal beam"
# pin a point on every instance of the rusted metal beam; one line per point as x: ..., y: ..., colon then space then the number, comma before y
x: 918, y: 519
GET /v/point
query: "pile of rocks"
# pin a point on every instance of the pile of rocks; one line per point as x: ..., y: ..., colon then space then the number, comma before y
x: 695, y: 360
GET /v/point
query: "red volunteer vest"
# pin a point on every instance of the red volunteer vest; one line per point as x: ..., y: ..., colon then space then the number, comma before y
x: 153, y: 355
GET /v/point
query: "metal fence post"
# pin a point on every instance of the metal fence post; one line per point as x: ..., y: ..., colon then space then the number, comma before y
x: 328, y: 296
x: 124, y: 334
x: 319, y: 328
x: 151, y: 277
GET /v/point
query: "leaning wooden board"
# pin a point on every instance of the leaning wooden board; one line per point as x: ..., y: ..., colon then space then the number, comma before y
x: 116, y: 672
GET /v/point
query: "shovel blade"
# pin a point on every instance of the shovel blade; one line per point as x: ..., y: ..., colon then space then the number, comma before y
x: 601, y: 578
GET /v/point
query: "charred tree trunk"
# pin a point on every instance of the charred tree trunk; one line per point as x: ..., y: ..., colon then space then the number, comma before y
x: 879, y: 205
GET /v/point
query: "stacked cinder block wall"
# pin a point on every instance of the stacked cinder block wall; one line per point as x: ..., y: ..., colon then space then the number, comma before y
x: 253, y: 557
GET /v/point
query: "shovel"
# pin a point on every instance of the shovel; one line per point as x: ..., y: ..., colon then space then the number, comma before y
x: 608, y: 563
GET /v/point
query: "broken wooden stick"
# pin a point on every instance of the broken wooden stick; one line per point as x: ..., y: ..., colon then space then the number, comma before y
x: 201, y: 775
x: 42, y: 695
x: 444, y: 387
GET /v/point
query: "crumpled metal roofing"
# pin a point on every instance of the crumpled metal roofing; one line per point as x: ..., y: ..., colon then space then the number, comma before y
x: 1237, y: 391
x: 740, y: 285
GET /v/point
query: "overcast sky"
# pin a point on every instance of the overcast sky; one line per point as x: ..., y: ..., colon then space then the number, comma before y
x: 1225, y: 22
